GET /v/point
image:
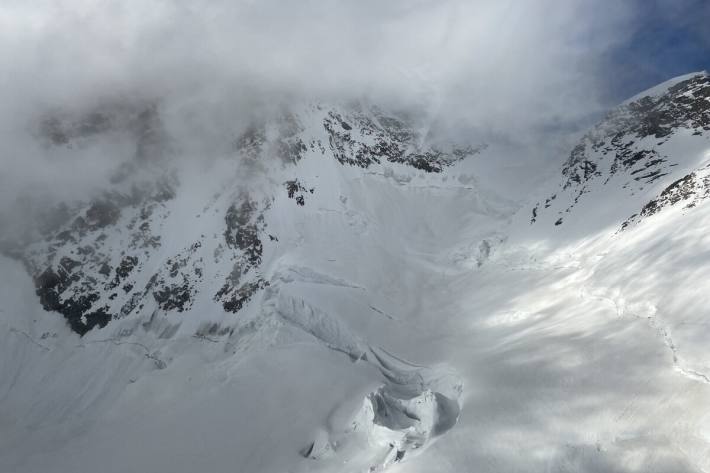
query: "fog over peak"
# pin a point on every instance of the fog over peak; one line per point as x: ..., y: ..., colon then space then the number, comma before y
x: 498, y: 60
x: 354, y: 236
x: 528, y: 74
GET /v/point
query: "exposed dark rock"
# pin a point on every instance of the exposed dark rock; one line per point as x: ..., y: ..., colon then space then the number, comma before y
x: 578, y: 169
x: 290, y: 150
x: 126, y: 266
x: 287, y: 145
x: 251, y: 142
x: 243, y: 227
x: 394, y: 141
x: 242, y: 295
x: 619, y: 137
x: 102, y: 214
x: 105, y: 269
x: 297, y: 191
x: 174, y: 296
x: 691, y: 188
x: 175, y: 285
x: 77, y: 310
x: 68, y: 264
x: 90, y: 264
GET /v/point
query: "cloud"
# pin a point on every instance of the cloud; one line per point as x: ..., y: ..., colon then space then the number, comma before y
x: 499, y: 59
x: 515, y: 71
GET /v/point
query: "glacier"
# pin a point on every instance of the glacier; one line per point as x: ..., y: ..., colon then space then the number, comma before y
x: 336, y: 293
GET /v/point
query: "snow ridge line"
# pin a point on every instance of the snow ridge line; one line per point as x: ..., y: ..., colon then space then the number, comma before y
x: 30, y: 338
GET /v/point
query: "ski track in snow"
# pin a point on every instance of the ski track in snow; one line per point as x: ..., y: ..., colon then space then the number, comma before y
x: 679, y: 364
x: 151, y: 355
x: 29, y: 337
x: 655, y: 323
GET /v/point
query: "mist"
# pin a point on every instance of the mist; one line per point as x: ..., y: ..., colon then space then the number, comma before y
x: 529, y: 75
x: 354, y: 235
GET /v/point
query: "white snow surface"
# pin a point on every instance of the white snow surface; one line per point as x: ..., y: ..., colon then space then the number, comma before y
x: 661, y: 88
x: 406, y: 312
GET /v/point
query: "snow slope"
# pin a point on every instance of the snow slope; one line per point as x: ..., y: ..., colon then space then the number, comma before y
x: 363, y: 302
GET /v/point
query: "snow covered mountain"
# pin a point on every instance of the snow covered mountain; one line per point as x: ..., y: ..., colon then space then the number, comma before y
x: 119, y: 255
x: 338, y: 294
x: 651, y: 145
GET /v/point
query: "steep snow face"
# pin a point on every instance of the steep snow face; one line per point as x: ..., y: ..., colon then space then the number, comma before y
x: 127, y: 254
x: 632, y: 198
x: 648, y: 153
x: 337, y: 295
x: 287, y: 247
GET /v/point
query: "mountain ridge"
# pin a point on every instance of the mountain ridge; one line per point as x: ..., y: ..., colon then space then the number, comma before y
x: 337, y: 295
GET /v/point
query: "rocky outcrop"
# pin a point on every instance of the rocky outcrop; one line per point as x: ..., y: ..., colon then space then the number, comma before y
x: 691, y: 189
x: 115, y: 256
x: 363, y: 139
x: 628, y: 145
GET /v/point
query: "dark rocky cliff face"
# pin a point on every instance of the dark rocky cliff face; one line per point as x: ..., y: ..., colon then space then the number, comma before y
x: 629, y: 144
x: 113, y: 257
